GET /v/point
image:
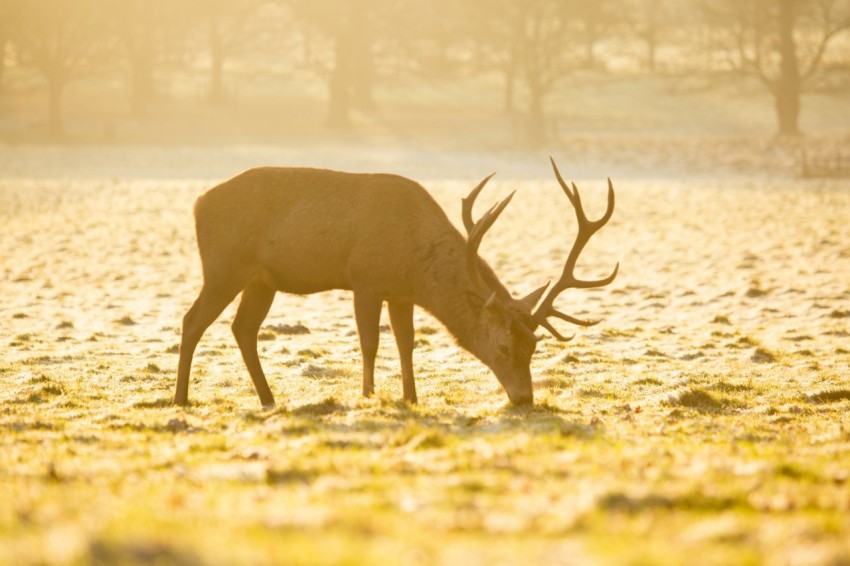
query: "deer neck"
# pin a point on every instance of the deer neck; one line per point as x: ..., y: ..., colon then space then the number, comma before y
x: 446, y: 293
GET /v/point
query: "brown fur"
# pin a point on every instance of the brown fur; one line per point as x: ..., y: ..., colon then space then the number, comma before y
x: 381, y: 236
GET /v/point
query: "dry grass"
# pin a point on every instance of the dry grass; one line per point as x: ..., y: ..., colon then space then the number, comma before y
x: 700, y: 419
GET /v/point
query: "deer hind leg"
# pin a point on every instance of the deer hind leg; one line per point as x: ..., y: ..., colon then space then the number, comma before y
x: 401, y: 319
x: 256, y: 301
x: 367, y: 312
x: 207, y: 307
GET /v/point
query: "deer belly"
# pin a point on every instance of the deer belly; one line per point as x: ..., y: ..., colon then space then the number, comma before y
x: 304, y: 274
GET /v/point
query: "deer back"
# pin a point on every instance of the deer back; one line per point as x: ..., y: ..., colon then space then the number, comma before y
x: 312, y: 230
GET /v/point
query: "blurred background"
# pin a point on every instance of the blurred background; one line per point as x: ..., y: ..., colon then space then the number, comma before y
x: 742, y: 84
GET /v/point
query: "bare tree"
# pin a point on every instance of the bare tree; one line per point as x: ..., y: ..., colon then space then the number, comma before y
x: 3, y: 43
x: 136, y: 24
x: 355, y: 31
x: 595, y: 20
x: 781, y: 42
x: 496, y: 31
x: 651, y: 21
x: 5, y: 30
x: 61, y: 40
x: 227, y: 32
x: 143, y: 36
x: 532, y: 43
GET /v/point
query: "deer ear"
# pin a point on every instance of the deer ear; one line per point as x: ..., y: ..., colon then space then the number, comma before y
x: 479, y: 303
x: 475, y: 300
x: 532, y: 298
x: 482, y: 305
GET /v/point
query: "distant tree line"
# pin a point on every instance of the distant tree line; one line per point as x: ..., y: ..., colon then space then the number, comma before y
x: 534, y: 45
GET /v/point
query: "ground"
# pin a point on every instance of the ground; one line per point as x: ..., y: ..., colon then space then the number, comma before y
x: 705, y: 419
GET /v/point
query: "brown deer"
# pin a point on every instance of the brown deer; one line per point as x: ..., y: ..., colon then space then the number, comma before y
x: 384, y: 238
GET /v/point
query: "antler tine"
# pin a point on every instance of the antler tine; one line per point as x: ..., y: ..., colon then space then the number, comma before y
x: 572, y: 194
x: 487, y: 220
x: 548, y: 326
x: 570, y: 282
x: 476, y: 230
x: 476, y: 234
x: 586, y: 229
x: 609, y: 210
x: 466, y: 212
x: 572, y: 319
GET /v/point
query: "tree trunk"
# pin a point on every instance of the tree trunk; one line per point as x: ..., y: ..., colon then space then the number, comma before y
x: 788, y: 113
x: 142, y: 70
x: 55, y: 86
x: 788, y: 86
x: 339, y: 104
x: 361, y: 81
x: 3, y: 42
x: 140, y: 47
x: 216, y: 61
x: 509, y: 105
x: 650, y: 52
x: 536, y: 127
x: 653, y: 15
x: 510, y: 79
x: 589, y: 52
x: 591, y: 31
x: 362, y: 71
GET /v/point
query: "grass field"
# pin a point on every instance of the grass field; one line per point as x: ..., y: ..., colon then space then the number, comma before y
x: 705, y: 420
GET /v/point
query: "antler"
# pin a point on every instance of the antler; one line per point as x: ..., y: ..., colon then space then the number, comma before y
x: 476, y: 230
x: 586, y: 229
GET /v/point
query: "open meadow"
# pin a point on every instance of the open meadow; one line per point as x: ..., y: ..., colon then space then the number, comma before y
x: 706, y: 419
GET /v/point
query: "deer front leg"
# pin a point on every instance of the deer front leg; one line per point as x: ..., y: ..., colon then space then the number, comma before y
x: 367, y: 312
x: 401, y: 319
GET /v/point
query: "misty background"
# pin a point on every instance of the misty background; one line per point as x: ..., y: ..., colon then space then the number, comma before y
x: 614, y: 86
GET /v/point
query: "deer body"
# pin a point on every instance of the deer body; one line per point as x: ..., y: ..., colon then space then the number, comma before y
x: 305, y: 230
x: 381, y: 236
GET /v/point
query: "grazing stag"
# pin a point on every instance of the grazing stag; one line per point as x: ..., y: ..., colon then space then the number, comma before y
x: 384, y: 238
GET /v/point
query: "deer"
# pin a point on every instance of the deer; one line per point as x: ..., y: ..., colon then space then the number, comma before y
x: 384, y: 238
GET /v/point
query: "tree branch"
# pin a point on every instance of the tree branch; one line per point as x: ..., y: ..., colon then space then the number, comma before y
x: 828, y: 32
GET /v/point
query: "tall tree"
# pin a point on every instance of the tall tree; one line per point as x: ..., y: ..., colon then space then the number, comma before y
x: 228, y: 31
x: 5, y: 21
x: 781, y: 42
x: 354, y: 29
x: 61, y: 39
x: 136, y: 23
x: 145, y: 35
x: 531, y: 42
x: 595, y: 20
x: 651, y: 22
x: 497, y: 32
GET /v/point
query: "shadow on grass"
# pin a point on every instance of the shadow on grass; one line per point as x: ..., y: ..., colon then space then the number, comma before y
x: 692, y: 501
x: 829, y: 396
x: 140, y: 552
x: 402, y: 423
x: 161, y: 403
x: 326, y: 407
x: 701, y: 400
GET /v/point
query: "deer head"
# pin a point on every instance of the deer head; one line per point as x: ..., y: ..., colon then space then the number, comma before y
x: 510, y: 333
